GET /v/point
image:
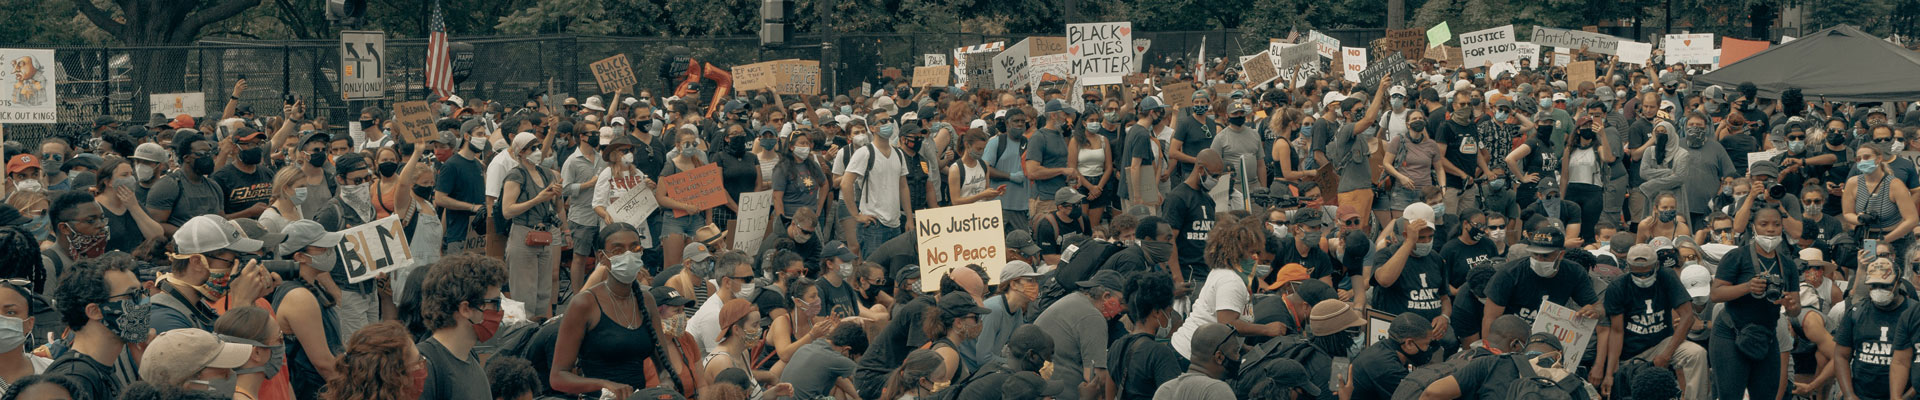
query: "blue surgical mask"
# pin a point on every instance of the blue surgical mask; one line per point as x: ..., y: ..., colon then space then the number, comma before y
x: 846, y: 110
x: 1439, y: 209
x: 1500, y: 116
x: 39, y: 228
x: 1796, y: 146
x: 1864, y: 166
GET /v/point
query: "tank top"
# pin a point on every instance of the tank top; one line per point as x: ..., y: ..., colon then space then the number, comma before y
x: 973, y: 180
x: 1583, y: 166
x: 305, y: 378
x: 753, y: 392
x: 1878, y: 204
x: 613, y: 352
x: 383, y: 200
x: 766, y: 169
x: 1092, y: 159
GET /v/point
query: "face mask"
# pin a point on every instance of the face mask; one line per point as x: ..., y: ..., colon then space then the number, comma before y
x: 299, y: 195
x: 625, y: 267
x: 1093, y: 126
x: 1796, y: 146
x: 419, y: 378
x: 1696, y: 137
x: 357, y: 196
x: 13, y: 333
x: 143, y: 172
x: 1197, y: 109
x: 1260, y: 270
x: 317, y: 159
x: 1209, y: 182
x: 1232, y: 367
x: 252, y: 156
x: 1475, y: 233
x: 1439, y: 209
x: 323, y: 262
x: 1237, y: 121
x: 1669, y: 215
x: 1546, y: 269
x: 1880, y: 296
x: 1646, y: 281
x: 1461, y: 117
x: 746, y: 289
x: 802, y: 152
x: 1500, y: 116
x: 477, y: 144
x: 754, y: 335
x: 202, y: 165
x: 38, y: 226
x: 83, y: 246
x: 442, y: 154
x: 388, y: 168
x: 846, y: 110
x: 126, y: 319
x: 220, y: 388
x: 1770, y: 243
x: 1111, y: 307
x: 1865, y: 166
x: 30, y: 185
x: 1423, y: 249
x: 1312, y: 238
x: 423, y: 192
x: 270, y: 368
x: 1397, y: 103
x: 489, y: 324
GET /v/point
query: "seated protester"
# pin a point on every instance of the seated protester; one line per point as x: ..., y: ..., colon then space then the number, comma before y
x: 1493, y: 377
x: 1470, y: 302
x: 798, y: 237
x: 1818, y: 230
x: 461, y: 301
x: 1765, y: 175
x: 1139, y: 363
x: 957, y: 322
x: 1350, y: 246
x: 17, y: 361
x: 261, y: 377
x: 44, y: 386
x: 613, y: 340
x: 1029, y: 350
x: 1028, y: 385
x: 1225, y: 297
x: 511, y: 378
x: 1379, y: 367
x: 106, y: 287
x: 825, y: 366
x: 1149, y: 253
x: 194, y: 359
x: 1217, y: 352
x: 1292, y: 302
x: 1568, y: 214
x: 896, y: 252
x: 305, y: 307
x: 668, y: 304
x: 1666, y: 222
x: 206, y: 270
x: 1307, y: 248
x: 1472, y: 248
x: 1056, y: 219
x: 1872, y: 357
x: 1407, y: 274
x: 1644, y: 306
x: 901, y: 335
x: 1509, y: 335
x: 1078, y: 323
x: 1754, y: 368
x: 1008, y: 311
x: 838, y: 298
x: 1523, y: 285
x: 1653, y: 383
x: 1719, y: 230
x: 740, y: 325
x: 914, y: 379
x: 691, y: 275
x: 731, y: 275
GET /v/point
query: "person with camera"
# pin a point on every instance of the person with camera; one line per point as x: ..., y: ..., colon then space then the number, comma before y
x: 1584, y: 164
x: 1874, y: 201
x: 209, y: 265
x: 1766, y: 192
x: 1872, y: 337
x: 303, y: 303
x: 1754, y: 281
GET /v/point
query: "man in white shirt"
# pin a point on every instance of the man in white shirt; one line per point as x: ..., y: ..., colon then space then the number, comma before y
x: 497, y: 177
x: 877, y: 175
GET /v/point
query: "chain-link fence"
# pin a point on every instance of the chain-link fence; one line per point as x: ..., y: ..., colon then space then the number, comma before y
x: 117, y: 81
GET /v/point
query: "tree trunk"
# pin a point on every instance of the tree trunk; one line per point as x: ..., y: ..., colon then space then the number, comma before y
x: 159, y: 23
x: 1396, y: 14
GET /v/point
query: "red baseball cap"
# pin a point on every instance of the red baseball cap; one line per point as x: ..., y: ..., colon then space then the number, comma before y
x: 181, y: 121
x: 20, y: 162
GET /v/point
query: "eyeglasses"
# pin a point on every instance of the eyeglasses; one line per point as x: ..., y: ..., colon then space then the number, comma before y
x: 130, y: 294
x: 492, y: 303
x: 742, y: 279
x: 1883, y: 140
x: 361, y: 180
x: 1796, y: 137
x: 1811, y: 203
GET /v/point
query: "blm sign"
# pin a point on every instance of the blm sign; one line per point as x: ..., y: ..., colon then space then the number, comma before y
x: 1100, y: 53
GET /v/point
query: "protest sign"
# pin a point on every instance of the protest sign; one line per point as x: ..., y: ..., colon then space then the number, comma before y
x: 1635, y: 53
x: 1394, y: 67
x: 1305, y: 73
x: 1010, y: 66
x: 699, y: 187
x: 372, y: 248
x: 614, y: 74
x: 1406, y: 41
x: 1733, y: 50
x: 1530, y: 52
x: 1574, y: 332
x: 362, y: 68
x: 1580, y: 72
x: 1498, y: 68
x: 890, y: 73
x: 953, y: 237
x: 1259, y: 68
x: 796, y: 77
x: 1689, y: 48
x: 1048, y: 68
x: 1593, y: 42
x: 757, y: 76
x: 1274, y: 48
x: 928, y: 60
x: 1180, y: 95
x: 1100, y: 53
x: 1327, y: 46
x: 1561, y: 57
x: 413, y: 121
x: 1140, y: 47
x: 934, y: 76
x: 980, y: 68
x: 1047, y: 45
x: 1352, y: 61
x: 1439, y: 34
x: 1489, y: 45
x: 751, y: 227
x: 961, y: 61
x: 631, y: 203
x: 173, y: 104
x: 1296, y: 54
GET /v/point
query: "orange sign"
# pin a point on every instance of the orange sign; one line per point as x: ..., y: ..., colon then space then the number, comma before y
x: 1733, y: 50
x: 700, y: 186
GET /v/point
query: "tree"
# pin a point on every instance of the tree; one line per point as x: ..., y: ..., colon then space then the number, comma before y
x: 159, y: 22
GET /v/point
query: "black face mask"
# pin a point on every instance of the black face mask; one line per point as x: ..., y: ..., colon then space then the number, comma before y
x: 317, y: 159
x: 423, y: 192
x: 202, y: 165
x: 388, y: 168
x: 252, y: 156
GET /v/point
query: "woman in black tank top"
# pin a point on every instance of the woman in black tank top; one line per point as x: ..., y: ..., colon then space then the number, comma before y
x: 957, y: 321
x: 609, y: 333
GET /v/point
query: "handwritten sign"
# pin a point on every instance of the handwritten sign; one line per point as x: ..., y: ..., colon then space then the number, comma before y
x: 751, y: 227
x: 1529, y: 52
x: 932, y: 60
x: 932, y: 76
x: 1489, y: 45
x: 1050, y: 68
x: 1439, y: 34
x: 758, y: 76
x: 700, y: 187
x: 1352, y: 61
x: 1047, y: 45
x: 1010, y: 66
x: 1635, y: 53
x: 1100, y: 53
x: 796, y: 77
x: 1569, y: 39
x: 173, y: 104
x: 953, y: 237
x: 614, y: 74
x: 1394, y: 67
x: 413, y: 120
x: 1733, y: 50
x: 1180, y: 95
x: 1260, y: 69
x: 1561, y: 57
x: 631, y: 203
x: 1574, y: 332
x: 1406, y: 41
x: 1325, y: 45
x: 1578, y: 72
x: 1690, y: 48
x: 370, y: 249
x: 29, y: 80
x: 1297, y: 54
x: 1140, y: 47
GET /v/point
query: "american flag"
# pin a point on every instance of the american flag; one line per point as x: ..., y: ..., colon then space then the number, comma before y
x: 439, y: 68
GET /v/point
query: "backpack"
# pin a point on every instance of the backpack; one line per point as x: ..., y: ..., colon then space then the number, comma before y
x: 1532, y: 386
x: 1087, y: 259
x: 1420, y: 378
x: 1625, y: 373
x: 860, y: 182
x: 1258, y: 360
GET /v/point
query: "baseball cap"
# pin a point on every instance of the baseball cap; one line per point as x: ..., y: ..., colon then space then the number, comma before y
x: 1022, y: 241
x: 211, y: 232
x: 1332, y: 316
x: 1641, y: 255
x: 1697, y: 280
x: 837, y: 250
x: 1546, y: 338
x: 1880, y: 271
x: 1545, y: 240
x: 1293, y: 272
x: 1068, y: 195
x: 349, y: 162
x: 1105, y: 278
x: 695, y: 251
x: 957, y: 304
x: 150, y: 152
x: 1287, y: 373
x: 1397, y: 90
x: 668, y: 296
x: 22, y: 161
x: 1419, y: 212
x: 177, y: 355
x: 1764, y: 168
x: 1330, y: 98
x: 1017, y: 269
x: 731, y: 313
x: 306, y: 233
x: 1310, y: 217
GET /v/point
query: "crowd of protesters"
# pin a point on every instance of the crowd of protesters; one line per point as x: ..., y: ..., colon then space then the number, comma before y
x: 1326, y: 239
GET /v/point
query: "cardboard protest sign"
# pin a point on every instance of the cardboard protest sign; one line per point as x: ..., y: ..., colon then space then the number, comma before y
x: 614, y: 74
x: 1489, y: 45
x: 797, y: 77
x: 1439, y: 34
x: 372, y: 248
x: 1296, y: 54
x: 1690, y: 48
x: 1733, y: 50
x: 1456, y: 58
x: 700, y: 187
x: 1352, y: 61
x: 1636, y: 53
x: 172, y: 104
x: 1574, y: 332
x: 1044, y: 69
x: 980, y: 68
x: 1577, y: 72
x: 1327, y: 46
x: 928, y: 60
x: 1140, y: 47
x: 29, y: 79
x: 1529, y: 52
x: 933, y: 76
x: 1561, y: 57
x: 1395, y: 67
x: 1406, y: 41
x: 413, y: 121
x: 1274, y: 48
x: 1260, y: 69
x: 953, y: 237
x: 889, y: 72
x: 1010, y: 66
x: 751, y: 228
x: 1047, y: 45
x: 1562, y: 38
x: 1100, y: 53
x: 362, y: 65
x: 1179, y: 95
x: 757, y: 76
x: 1136, y: 79
x: 1305, y: 73
x: 632, y: 202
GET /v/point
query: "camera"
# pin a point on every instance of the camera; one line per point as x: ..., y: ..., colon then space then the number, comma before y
x: 1776, y: 287
x: 288, y: 270
x: 1867, y: 219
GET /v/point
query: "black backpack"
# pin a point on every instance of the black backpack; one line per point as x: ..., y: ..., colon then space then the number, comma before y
x: 1064, y: 279
x: 1420, y: 378
x: 1532, y: 386
x: 1259, y: 360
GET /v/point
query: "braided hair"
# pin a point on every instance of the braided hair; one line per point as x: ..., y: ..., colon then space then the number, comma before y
x: 20, y: 257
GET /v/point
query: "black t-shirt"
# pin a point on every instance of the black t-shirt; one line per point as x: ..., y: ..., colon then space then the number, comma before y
x: 1874, y: 335
x: 1490, y: 377
x: 451, y: 378
x: 1377, y: 370
x: 1048, y: 229
x: 1737, y: 267
x: 1823, y: 231
x: 1420, y: 287
x: 93, y: 377
x: 1468, y: 310
x: 1647, y: 312
x: 1194, y: 136
x: 1129, y: 260
x: 838, y: 301
x: 1139, y: 146
x: 1318, y: 263
x: 1458, y: 258
x: 1190, y: 211
x: 896, y: 253
x: 1521, y: 290
x: 885, y: 351
x: 1569, y: 213
x: 738, y: 174
x: 464, y: 180
x: 244, y: 189
x: 1148, y: 363
x: 1737, y: 148
x: 1457, y: 136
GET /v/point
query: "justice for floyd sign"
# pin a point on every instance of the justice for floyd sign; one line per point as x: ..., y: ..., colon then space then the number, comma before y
x: 1100, y: 53
x: 953, y: 237
x: 1491, y: 45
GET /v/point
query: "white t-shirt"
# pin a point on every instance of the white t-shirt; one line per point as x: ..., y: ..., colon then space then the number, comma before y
x: 607, y: 190
x: 705, y: 323
x: 881, y: 198
x: 1223, y: 291
x: 497, y: 173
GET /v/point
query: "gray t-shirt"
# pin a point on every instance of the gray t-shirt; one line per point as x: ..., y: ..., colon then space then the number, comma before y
x: 1079, y: 339
x: 1049, y: 148
x: 185, y: 198
x: 580, y: 168
x: 1351, y: 149
x: 1193, y: 385
x: 1239, y: 147
x: 451, y: 378
x: 814, y: 369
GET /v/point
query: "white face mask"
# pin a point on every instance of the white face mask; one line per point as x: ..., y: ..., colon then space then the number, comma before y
x: 1546, y: 269
x: 625, y: 267
x: 746, y: 289
x: 1770, y: 243
x: 1899, y: 146
x: 1880, y: 296
x: 1645, y: 282
x: 143, y: 172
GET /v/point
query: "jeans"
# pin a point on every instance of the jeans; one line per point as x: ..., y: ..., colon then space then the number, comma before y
x: 1735, y: 375
x: 530, y: 272
x: 872, y: 235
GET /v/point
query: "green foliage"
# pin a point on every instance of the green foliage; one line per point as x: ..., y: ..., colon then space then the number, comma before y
x: 47, y: 22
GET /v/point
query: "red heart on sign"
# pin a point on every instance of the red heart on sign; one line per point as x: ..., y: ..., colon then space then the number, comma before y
x: 1073, y: 50
x: 1687, y: 42
x: 1126, y: 30
x: 1138, y: 49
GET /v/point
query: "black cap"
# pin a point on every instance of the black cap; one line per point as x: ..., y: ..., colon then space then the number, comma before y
x: 907, y: 272
x: 837, y: 250
x: 1546, y: 338
x: 10, y: 216
x: 1287, y: 373
x: 349, y: 162
x: 1105, y: 278
x: 1313, y: 291
x: 1030, y: 339
x: 668, y: 296
x: 1309, y: 217
x: 1545, y: 240
x: 958, y: 304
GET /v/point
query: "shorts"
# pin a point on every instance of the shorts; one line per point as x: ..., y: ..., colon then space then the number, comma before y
x: 683, y: 226
x: 1109, y: 194
x: 1397, y: 199
x: 585, y: 239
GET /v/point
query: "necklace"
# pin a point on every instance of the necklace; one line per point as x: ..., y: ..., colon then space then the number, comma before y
x: 624, y: 310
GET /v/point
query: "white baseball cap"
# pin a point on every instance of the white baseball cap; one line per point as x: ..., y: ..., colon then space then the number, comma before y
x: 210, y: 232
x: 1697, y: 280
